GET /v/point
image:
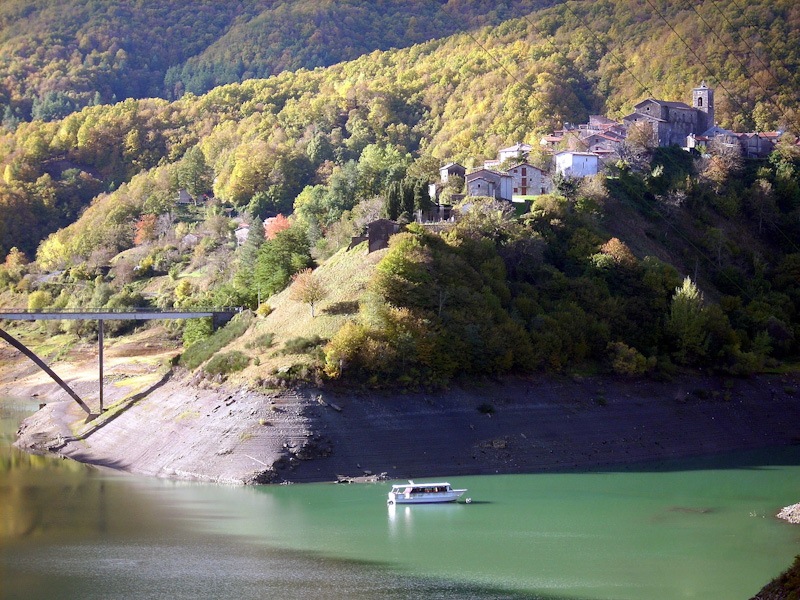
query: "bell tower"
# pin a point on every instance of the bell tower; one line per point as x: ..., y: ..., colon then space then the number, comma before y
x: 703, y: 100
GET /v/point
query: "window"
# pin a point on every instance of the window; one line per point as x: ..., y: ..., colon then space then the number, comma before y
x: 524, y: 171
x: 700, y: 101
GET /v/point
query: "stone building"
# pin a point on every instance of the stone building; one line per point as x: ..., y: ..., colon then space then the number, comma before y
x: 674, y: 122
x: 485, y: 182
x: 526, y: 180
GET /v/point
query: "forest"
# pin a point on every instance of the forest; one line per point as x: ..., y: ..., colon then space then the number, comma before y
x: 664, y: 261
x: 57, y: 57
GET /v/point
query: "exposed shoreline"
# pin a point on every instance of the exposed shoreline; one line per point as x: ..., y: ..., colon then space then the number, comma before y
x: 181, y: 427
x: 177, y: 426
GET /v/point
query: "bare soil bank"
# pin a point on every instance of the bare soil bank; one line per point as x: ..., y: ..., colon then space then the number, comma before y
x: 185, y: 429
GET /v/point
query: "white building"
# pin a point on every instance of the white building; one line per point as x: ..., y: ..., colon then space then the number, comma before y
x: 516, y: 151
x: 577, y: 164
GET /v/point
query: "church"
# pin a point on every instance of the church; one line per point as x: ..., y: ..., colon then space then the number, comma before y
x: 674, y: 122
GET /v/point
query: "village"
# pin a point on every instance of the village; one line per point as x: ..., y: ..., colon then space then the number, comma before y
x: 575, y: 151
x: 582, y: 150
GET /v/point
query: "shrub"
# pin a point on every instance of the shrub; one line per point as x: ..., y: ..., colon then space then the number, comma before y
x: 262, y: 341
x: 297, y: 373
x: 263, y: 310
x: 302, y: 345
x: 196, y: 330
x: 203, y: 349
x: 626, y: 360
x: 39, y: 300
x: 228, y: 362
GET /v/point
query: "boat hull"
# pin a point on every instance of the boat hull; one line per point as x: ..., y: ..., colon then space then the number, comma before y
x: 435, y: 498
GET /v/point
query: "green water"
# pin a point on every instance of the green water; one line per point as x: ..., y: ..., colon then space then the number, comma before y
x: 698, y: 529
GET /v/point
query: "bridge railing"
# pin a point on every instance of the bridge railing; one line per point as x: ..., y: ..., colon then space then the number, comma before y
x: 140, y: 309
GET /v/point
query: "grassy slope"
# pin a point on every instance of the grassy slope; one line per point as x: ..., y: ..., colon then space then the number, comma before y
x: 345, y: 275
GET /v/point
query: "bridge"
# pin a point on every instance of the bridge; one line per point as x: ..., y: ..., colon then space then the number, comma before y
x: 219, y: 316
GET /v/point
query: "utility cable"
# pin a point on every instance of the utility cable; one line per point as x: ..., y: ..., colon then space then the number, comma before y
x: 775, y: 53
x: 699, y: 60
x: 768, y: 95
x: 647, y: 89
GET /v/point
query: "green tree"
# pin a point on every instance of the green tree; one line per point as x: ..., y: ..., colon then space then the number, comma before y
x: 281, y: 258
x: 391, y: 206
x: 194, y: 174
x: 687, y: 323
x: 247, y: 260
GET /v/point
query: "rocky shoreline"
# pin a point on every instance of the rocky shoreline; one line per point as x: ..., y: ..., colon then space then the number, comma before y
x: 790, y: 513
x: 182, y: 428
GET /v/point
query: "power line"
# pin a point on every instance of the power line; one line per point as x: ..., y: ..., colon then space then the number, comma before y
x: 699, y: 60
x: 501, y: 65
x: 649, y: 91
x: 599, y: 41
x: 768, y: 95
x: 744, y: 41
x: 775, y: 53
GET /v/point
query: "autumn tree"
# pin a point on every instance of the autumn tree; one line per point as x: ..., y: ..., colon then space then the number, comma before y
x: 275, y: 225
x: 15, y: 263
x: 636, y: 151
x: 308, y: 289
x: 724, y: 161
x: 145, y: 229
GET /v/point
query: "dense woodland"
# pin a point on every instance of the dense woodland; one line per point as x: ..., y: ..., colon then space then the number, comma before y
x: 59, y: 56
x: 667, y: 260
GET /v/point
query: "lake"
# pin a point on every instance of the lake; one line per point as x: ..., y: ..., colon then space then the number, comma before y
x: 703, y: 528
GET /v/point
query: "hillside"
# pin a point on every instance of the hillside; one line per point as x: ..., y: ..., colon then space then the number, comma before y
x: 586, y: 279
x: 453, y: 99
x: 57, y: 57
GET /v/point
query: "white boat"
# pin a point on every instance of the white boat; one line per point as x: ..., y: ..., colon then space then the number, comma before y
x: 421, y: 493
